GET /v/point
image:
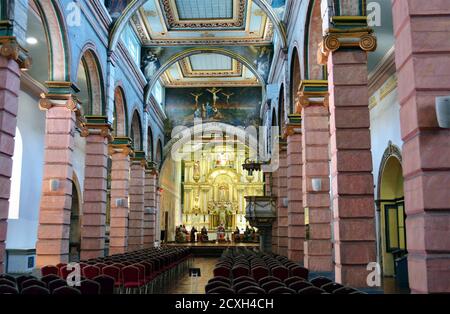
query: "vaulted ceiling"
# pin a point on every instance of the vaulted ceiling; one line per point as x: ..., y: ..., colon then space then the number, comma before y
x: 205, y: 70
x: 219, y: 23
x: 202, y: 22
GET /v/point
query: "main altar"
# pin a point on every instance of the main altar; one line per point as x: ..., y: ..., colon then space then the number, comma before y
x: 214, y: 187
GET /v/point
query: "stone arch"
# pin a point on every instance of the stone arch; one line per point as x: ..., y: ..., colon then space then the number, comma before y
x: 391, y: 208
x: 194, y: 51
x: 57, y: 40
x: 134, y: 5
x: 313, y: 37
x: 136, y: 131
x: 75, y: 220
x: 89, y: 61
x: 120, y: 113
x: 295, y: 78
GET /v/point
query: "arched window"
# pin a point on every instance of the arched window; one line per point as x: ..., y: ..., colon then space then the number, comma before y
x: 16, y: 178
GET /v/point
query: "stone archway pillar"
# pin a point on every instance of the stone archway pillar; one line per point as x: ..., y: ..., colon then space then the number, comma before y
x: 296, y: 218
x: 136, y: 216
x: 351, y: 158
x: 282, y: 206
x: 313, y: 97
x: 120, y: 151
x: 422, y: 57
x: 62, y: 111
x: 150, y: 206
x: 93, y: 220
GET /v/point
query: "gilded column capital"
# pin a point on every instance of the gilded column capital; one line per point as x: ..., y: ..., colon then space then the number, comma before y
x: 312, y: 93
x: 63, y: 94
x: 336, y: 38
x: 98, y: 125
x: 294, y: 126
x: 11, y: 49
x: 151, y: 167
x: 121, y: 145
x: 139, y: 158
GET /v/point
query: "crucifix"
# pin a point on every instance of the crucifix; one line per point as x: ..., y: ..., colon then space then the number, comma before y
x: 196, y: 96
x: 228, y: 97
x: 214, y: 91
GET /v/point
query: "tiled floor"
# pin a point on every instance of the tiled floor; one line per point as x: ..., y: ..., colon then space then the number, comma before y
x: 189, y: 285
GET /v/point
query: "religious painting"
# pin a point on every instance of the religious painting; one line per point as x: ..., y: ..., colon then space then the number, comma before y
x: 238, y: 106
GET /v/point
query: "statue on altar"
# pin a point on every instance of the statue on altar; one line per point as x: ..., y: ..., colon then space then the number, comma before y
x: 204, y: 234
x: 221, y: 233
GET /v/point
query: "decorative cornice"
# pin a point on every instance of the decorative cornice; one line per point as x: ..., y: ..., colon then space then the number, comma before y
x: 11, y: 49
x: 336, y: 38
x: 98, y: 125
x: 312, y: 93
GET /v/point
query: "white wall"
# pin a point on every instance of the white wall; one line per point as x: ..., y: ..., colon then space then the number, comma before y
x: 385, y: 127
x: 22, y: 232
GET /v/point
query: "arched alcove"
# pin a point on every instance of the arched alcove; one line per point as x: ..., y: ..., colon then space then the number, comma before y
x: 295, y: 79
x: 136, y: 132
x: 120, y: 119
x: 75, y: 222
x: 392, y: 210
x: 90, y: 83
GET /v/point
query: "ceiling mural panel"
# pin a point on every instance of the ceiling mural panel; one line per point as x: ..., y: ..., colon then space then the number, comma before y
x: 186, y: 22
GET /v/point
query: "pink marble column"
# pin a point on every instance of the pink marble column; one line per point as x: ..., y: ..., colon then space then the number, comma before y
x: 315, y: 130
x: 158, y: 212
x: 9, y: 91
x: 150, y: 208
x: 275, y: 223
x: 282, y: 217
x: 422, y: 55
x: 296, y: 217
x: 351, y: 167
x: 52, y: 246
x: 120, y: 181
x: 136, y: 215
x: 93, y: 220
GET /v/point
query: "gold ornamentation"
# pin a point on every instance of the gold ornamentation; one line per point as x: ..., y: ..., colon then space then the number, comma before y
x: 368, y: 42
x: 335, y: 39
x: 10, y: 50
x: 331, y: 43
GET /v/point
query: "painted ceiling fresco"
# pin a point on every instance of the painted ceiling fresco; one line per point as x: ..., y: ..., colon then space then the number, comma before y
x: 186, y: 22
x: 209, y: 69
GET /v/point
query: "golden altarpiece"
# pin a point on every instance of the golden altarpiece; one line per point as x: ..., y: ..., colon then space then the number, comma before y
x: 214, y: 189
